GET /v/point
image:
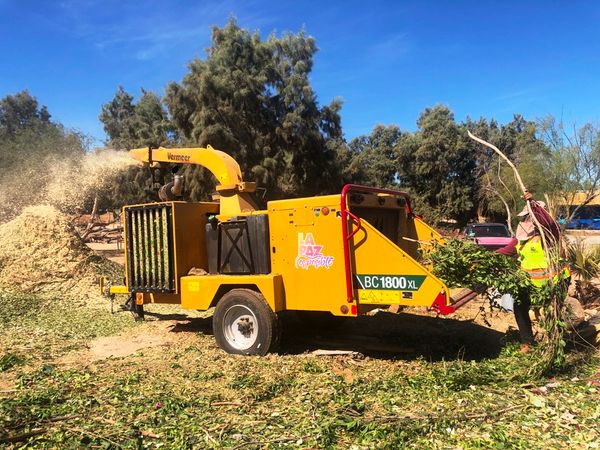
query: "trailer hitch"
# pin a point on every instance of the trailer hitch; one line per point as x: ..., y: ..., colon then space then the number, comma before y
x: 439, y: 305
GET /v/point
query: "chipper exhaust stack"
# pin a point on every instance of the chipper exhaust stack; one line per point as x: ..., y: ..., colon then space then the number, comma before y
x: 343, y: 254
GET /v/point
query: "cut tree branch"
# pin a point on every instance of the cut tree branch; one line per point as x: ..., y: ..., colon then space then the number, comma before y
x: 544, y: 232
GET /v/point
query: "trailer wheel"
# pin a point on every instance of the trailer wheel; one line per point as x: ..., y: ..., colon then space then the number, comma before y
x: 244, y: 324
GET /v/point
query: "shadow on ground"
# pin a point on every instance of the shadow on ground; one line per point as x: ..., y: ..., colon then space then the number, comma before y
x: 384, y: 335
x: 182, y: 323
x: 397, y: 336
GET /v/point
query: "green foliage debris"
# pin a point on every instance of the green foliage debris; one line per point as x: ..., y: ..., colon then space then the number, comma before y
x: 466, y: 264
x: 192, y: 395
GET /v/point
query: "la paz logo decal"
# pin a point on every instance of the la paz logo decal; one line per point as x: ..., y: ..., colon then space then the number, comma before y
x: 310, y: 254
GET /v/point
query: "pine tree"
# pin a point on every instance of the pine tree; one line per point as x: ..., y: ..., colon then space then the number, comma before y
x: 252, y: 99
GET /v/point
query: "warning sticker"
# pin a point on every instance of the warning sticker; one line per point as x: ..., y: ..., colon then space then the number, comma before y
x: 379, y: 297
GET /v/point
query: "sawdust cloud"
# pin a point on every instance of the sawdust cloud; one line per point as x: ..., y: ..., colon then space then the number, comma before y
x: 73, y: 184
x: 67, y: 183
x: 40, y: 249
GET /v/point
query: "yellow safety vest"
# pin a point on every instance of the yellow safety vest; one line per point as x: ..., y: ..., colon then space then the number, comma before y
x: 533, y: 261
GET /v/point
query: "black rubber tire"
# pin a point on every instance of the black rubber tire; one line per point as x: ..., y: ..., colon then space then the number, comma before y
x: 262, y: 321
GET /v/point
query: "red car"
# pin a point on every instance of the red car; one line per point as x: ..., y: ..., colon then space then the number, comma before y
x: 489, y: 235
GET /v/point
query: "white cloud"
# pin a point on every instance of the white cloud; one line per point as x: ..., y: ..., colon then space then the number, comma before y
x: 150, y: 29
x: 518, y: 94
x: 391, y: 49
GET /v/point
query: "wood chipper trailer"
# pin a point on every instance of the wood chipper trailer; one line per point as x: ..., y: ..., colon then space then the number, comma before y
x: 343, y: 254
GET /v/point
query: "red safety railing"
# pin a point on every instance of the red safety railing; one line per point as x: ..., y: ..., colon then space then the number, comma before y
x: 345, y: 212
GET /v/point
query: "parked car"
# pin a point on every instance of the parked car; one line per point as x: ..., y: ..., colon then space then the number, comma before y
x: 489, y: 235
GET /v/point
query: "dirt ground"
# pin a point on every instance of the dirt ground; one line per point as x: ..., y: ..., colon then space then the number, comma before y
x: 409, y: 334
x: 157, y: 334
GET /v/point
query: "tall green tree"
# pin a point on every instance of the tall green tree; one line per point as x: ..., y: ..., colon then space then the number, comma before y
x: 451, y: 176
x: 484, y: 159
x: 497, y: 194
x: 117, y: 119
x: 20, y: 112
x: 252, y: 98
x: 519, y: 140
x: 436, y: 164
x: 151, y: 124
x: 373, y: 159
x: 30, y: 143
x: 130, y: 124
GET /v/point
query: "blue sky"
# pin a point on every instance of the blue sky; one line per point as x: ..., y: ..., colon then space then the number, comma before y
x: 386, y: 60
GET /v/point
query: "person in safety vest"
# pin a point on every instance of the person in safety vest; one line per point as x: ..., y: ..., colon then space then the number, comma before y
x: 529, y: 247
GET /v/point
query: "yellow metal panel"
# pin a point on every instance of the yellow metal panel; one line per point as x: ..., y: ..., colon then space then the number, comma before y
x: 385, y: 274
x: 189, y: 244
x: 425, y: 233
x: 118, y: 290
x: 198, y: 292
x: 427, y: 237
x: 306, y: 248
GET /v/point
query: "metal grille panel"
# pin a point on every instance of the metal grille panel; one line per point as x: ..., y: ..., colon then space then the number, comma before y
x: 150, y: 248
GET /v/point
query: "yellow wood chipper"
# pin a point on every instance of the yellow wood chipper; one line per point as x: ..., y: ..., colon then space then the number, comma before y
x: 342, y: 254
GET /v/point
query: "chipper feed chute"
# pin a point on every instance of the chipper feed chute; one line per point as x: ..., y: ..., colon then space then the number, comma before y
x: 382, y: 257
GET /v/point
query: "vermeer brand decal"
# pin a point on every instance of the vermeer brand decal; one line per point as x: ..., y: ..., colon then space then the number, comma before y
x: 390, y: 282
x: 310, y: 254
x: 183, y: 158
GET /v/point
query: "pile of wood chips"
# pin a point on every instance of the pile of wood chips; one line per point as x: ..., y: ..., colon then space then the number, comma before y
x: 41, y: 251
